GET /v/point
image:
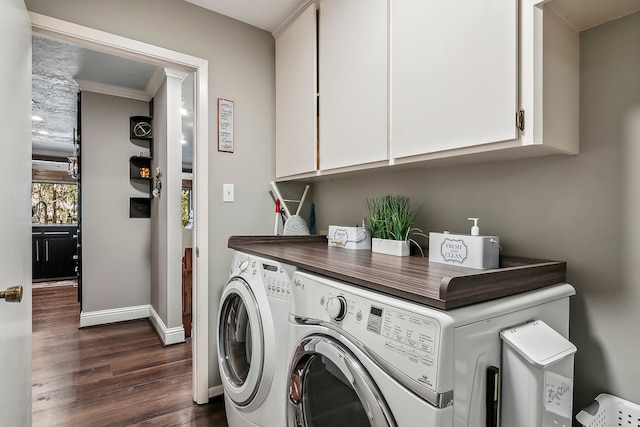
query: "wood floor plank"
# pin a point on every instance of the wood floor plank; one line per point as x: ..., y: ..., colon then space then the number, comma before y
x: 111, y: 375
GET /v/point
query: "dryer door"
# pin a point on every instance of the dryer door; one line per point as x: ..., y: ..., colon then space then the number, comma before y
x: 330, y: 387
x: 240, y: 342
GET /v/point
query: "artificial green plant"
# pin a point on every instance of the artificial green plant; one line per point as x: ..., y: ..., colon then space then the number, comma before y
x: 393, y: 217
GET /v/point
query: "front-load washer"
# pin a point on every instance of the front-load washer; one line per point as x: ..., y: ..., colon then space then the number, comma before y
x: 363, y: 358
x: 251, y: 336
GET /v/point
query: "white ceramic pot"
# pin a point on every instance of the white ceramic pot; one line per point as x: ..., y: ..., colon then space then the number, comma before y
x: 390, y: 247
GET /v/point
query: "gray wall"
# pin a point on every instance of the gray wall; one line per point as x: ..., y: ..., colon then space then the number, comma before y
x: 115, y: 248
x: 166, y: 283
x: 582, y: 209
x: 241, y: 68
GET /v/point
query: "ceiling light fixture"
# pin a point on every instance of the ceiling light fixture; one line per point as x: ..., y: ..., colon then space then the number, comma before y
x: 37, y: 118
x: 43, y: 132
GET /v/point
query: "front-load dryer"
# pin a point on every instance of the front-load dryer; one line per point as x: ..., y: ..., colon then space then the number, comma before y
x: 361, y: 358
x: 251, y: 337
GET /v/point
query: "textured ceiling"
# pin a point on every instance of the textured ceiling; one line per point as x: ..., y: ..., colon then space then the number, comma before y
x: 58, y: 66
x: 54, y: 96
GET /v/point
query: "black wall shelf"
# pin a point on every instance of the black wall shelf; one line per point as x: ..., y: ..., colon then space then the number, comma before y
x: 140, y: 128
x: 139, y: 207
x: 140, y: 167
x: 141, y: 134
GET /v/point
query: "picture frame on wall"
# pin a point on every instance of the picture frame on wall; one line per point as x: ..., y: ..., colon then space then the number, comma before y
x: 225, y: 125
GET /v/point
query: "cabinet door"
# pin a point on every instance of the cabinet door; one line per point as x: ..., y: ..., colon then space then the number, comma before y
x: 37, y: 261
x: 353, y: 58
x: 454, y: 74
x: 296, y: 150
x: 58, y: 257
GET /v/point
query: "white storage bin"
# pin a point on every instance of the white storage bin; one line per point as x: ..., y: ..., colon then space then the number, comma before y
x: 349, y: 237
x: 610, y: 411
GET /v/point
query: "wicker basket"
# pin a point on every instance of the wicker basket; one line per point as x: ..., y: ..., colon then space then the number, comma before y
x: 610, y: 411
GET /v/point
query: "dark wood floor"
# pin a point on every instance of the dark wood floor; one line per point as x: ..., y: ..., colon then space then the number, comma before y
x: 114, y: 375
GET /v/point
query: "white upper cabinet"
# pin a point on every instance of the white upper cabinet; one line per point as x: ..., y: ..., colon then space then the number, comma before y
x: 296, y: 67
x: 353, y: 82
x: 454, y: 74
x: 409, y: 81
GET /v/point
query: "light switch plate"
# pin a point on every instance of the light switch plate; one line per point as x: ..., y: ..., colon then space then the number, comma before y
x: 228, y: 193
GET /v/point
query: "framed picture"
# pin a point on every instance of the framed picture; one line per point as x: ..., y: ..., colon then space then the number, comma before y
x: 225, y: 125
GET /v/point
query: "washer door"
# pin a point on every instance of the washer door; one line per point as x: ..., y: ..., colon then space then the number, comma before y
x: 330, y: 387
x: 240, y: 342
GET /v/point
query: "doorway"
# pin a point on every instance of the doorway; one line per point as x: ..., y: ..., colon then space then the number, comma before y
x: 127, y: 48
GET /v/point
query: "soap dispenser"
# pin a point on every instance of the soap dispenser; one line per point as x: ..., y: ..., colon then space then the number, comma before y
x: 475, y: 230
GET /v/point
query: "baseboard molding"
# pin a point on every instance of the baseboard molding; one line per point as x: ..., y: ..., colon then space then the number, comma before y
x: 102, y: 317
x: 216, y: 391
x: 167, y: 335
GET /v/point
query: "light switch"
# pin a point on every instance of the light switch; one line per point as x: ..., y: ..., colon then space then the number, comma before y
x: 227, y: 193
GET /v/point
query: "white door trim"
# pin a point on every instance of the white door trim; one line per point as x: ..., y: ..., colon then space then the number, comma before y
x: 133, y: 49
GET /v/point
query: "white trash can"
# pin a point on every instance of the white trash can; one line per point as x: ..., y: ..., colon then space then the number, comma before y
x: 537, y: 377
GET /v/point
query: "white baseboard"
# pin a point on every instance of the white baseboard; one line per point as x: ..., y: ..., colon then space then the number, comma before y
x: 167, y: 335
x: 102, y: 317
x: 216, y: 391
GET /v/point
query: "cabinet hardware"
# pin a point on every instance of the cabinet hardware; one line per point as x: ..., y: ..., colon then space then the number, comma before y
x: 46, y: 250
x: 520, y: 120
x: 37, y: 251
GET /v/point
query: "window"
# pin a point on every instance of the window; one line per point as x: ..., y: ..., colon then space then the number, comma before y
x: 54, y: 203
x: 187, y: 211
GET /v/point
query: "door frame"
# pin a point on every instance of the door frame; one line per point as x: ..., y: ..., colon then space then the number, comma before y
x: 136, y: 50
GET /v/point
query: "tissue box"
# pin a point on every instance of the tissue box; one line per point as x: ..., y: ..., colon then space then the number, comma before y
x: 464, y: 250
x: 349, y: 237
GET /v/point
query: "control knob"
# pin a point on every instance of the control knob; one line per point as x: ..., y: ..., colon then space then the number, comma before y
x: 243, y: 265
x: 337, y: 307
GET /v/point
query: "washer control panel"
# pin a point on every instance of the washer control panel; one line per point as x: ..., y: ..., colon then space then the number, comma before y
x: 275, y: 276
x: 277, y: 281
x: 402, y: 335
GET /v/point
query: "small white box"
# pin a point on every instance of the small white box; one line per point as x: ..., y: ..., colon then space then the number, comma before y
x: 464, y: 250
x: 349, y: 237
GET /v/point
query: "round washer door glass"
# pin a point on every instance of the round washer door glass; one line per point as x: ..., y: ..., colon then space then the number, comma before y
x: 329, y: 387
x: 240, y: 342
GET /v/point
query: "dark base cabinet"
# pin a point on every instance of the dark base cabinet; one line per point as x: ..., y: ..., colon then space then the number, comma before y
x: 54, y: 252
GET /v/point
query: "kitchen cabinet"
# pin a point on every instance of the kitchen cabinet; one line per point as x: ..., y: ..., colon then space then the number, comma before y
x: 54, y: 251
x: 454, y: 74
x: 500, y: 80
x: 296, y: 104
x: 414, y: 82
x: 353, y: 80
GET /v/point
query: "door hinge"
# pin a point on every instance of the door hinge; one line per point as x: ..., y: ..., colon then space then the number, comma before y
x: 520, y: 120
x: 197, y: 252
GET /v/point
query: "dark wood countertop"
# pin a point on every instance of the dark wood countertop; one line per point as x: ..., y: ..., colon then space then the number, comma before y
x: 413, y: 278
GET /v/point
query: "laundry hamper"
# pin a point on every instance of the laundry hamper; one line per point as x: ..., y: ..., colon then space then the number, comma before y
x: 610, y: 411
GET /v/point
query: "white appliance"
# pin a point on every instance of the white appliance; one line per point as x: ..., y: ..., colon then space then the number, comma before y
x: 362, y: 358
x: 251, y: 337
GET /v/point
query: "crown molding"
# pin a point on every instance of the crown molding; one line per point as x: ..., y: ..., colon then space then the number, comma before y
x: 113, y: 90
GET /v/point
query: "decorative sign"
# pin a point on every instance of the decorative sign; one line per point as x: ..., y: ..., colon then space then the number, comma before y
x: 558, y: 394
x: 454, y: 250
x: 225, y: 125
x: 341, y: 237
